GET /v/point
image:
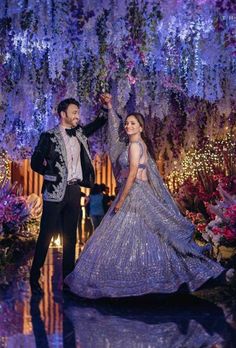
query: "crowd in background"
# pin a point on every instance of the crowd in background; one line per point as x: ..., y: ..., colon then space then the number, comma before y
x: 96, y: 205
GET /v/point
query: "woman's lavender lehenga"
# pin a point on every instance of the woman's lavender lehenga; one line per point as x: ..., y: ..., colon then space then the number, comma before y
x: 146, y: 247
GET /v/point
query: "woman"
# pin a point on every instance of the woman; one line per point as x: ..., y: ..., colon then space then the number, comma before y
x: 144, y: 244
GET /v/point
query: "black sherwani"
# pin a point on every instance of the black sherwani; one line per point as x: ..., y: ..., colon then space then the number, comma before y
x: 61, y: 202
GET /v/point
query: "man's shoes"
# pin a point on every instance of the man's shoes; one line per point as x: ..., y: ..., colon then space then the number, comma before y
x: 36, y: 288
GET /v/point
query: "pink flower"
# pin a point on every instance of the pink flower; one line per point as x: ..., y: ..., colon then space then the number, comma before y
x: 132, y: 79
x: 130, y: 64
x: 229, y: 234
x: 217, y: 230
x: 230, y: 214
x: 201, y: 227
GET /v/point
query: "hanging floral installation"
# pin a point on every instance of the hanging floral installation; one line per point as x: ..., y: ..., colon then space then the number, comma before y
x: 175, y: 61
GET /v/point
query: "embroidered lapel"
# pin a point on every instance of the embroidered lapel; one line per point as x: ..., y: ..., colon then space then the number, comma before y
x: 61, y: 143
x: 59, y: 187
x: 82, y: 138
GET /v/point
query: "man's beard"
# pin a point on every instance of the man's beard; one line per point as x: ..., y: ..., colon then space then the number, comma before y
x: 72, y: 122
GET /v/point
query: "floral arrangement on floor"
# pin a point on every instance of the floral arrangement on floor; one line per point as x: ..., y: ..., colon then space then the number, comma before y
x: 211, y: 205
x: 221, y: 230
x: 19, y: 217
x: 14, y: 211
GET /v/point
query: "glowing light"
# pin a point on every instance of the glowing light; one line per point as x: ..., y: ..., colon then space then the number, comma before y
x: 216, y: 155
x: 5, y: 166
x: 56, y: 242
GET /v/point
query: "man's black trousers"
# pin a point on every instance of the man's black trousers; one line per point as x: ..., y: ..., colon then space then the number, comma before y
x: 58, y: 217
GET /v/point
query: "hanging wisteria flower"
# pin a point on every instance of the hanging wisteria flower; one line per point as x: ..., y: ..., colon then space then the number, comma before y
x: 55, y: 49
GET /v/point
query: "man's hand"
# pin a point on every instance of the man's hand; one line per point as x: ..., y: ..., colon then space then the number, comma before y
x: 106, y: 100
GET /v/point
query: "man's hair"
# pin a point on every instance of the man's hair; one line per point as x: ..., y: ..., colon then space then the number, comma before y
x: 63, y: 105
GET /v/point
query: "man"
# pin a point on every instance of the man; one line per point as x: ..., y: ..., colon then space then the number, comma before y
x: 62, y: 157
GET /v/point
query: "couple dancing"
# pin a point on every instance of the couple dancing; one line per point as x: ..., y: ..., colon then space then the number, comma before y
x: 143, y: 245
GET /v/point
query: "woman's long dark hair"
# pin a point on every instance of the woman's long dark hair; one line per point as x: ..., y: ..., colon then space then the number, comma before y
x: 140, y: 118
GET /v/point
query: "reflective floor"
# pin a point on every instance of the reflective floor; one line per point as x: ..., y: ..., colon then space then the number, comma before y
x: 205, y: 319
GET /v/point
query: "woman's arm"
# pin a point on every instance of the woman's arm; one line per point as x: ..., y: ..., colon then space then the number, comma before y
x: 115, y: 143
x: 134, y: 157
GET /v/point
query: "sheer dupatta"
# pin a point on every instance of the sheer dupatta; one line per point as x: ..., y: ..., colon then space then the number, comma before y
x: 182, y: 236
x: 116, y: 141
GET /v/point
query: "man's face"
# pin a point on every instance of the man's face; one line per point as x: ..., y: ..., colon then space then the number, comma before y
x: 71, y: 117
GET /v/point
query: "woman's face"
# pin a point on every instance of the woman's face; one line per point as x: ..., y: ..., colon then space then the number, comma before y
x: 132, y: 126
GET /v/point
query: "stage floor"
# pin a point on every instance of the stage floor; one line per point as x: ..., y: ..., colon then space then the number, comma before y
x: 205, y: 319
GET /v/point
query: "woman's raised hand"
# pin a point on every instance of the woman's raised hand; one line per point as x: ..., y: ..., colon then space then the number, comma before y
x: 106, y: 100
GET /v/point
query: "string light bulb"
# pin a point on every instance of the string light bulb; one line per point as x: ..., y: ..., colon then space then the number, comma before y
x: 215, y: 155
x: 5, y: 166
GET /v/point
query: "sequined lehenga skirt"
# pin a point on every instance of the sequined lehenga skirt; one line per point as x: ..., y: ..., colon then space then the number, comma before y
x: 137, y: 251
